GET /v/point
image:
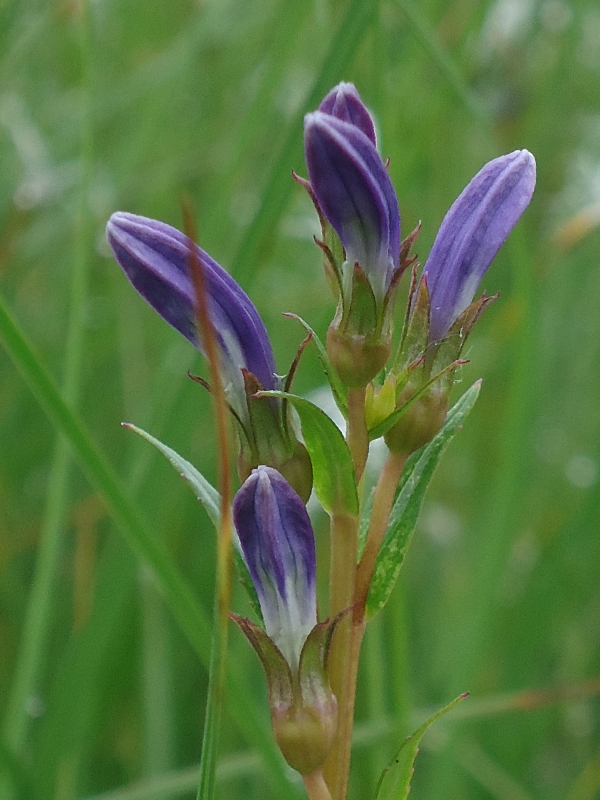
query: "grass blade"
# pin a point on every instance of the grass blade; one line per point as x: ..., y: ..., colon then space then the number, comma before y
x: 38, y: 616
x: 174, y: 589
x: 352, y: 30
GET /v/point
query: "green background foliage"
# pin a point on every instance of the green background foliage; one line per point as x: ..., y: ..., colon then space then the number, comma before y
x: 126, y: 105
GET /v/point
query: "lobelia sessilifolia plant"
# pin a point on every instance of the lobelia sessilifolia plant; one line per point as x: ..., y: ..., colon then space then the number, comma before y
x: 399, y: 393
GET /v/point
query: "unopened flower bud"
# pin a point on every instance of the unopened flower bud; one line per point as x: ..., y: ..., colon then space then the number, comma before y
x: 357, y: 204
x: 475, y: 227
x: 278, y: 545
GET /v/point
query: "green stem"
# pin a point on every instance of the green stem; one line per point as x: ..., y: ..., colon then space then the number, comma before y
x: 344, y: 549
x: 315, y: 786
x: 383, y: 501
x: 358, y: 435
x: 344, y: 554
x: 342, y: 577
x: 337, y: 766
x: 345, y: 651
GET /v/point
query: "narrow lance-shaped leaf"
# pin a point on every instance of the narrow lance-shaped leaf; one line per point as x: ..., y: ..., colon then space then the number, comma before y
x: 333, y: 470
x: 210, y: 499
x: 405, y: 512
x: 338, y: 390
x: 396, y: 778
x: 204, y: 491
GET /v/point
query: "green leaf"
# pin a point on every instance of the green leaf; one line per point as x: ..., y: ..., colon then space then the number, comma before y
x: 405, y: 512
x: 337, y: 387
x: 204, y: 491
x: 365, y: 521
x: 211, y: 499
x: 394, y: 783
x: 333, y: 471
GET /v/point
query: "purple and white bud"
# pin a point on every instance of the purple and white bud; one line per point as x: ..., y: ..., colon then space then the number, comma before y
x: 355, y: 193
x: 155, y: 258
x: 476, y: 226
x: 279, y: 547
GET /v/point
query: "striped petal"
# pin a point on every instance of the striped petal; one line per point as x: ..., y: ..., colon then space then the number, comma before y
x: 476, y: 226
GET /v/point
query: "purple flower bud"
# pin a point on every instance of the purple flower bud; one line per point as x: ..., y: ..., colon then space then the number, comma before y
x: 344, y: 102
x: 473, y: 230
x: 155, y: 256
x: 279, y: 547
x: 354, y: 192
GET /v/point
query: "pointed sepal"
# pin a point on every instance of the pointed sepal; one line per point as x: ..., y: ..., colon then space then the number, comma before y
x: 452, y: 345
x: 303, y: 707
x: 279, y: 676
x: 358, y: 346
x: 414, y: 342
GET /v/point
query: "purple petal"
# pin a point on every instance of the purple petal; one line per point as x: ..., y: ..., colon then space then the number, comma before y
x: 279, y: 547
x: 154, y: 256
x: 344, y: 102
x: 473, y: 230
x: 354, y: 191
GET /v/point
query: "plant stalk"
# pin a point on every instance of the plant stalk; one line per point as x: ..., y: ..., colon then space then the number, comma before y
x: 315, y: 786
x: 344, y: 554
x: 345, y: 651
x: 337, y: 765
x: 383, y: 501
x: 358, y: 435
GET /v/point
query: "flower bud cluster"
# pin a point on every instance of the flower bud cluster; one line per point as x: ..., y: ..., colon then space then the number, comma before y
x: 405, y: 397
x: 355, y: 200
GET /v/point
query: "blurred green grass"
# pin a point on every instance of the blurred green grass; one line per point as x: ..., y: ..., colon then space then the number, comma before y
x: 129, y: 106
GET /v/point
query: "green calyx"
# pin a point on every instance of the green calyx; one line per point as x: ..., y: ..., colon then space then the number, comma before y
x: 421, y: 421
x: 424, y: 373
x: 303, y: 707
x: 359, y: 340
